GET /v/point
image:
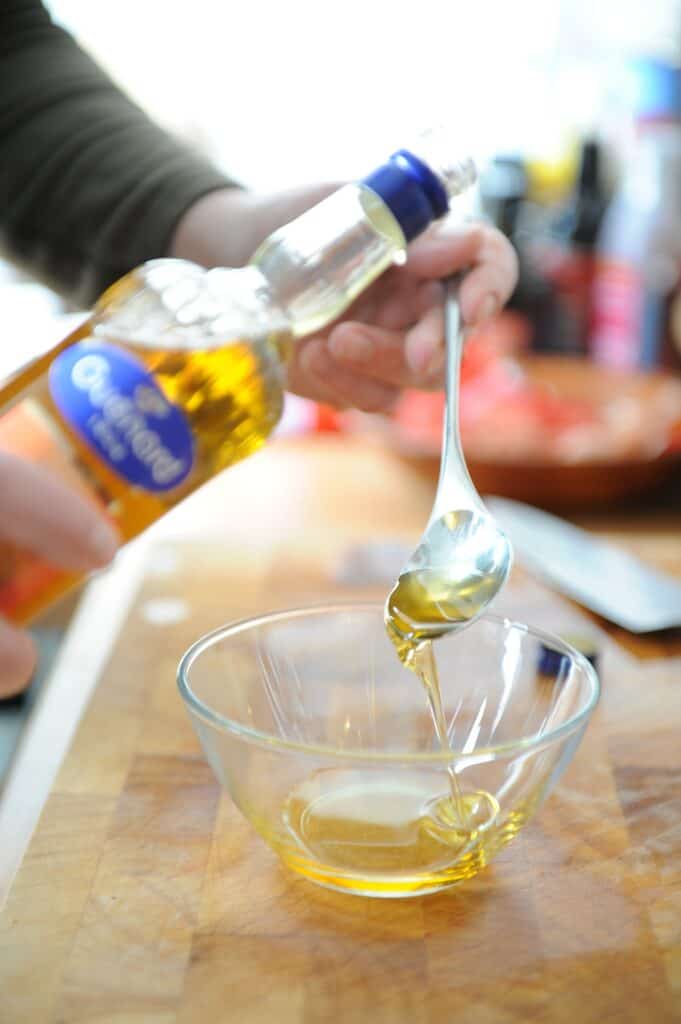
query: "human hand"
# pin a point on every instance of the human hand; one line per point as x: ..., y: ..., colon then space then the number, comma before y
x: 392, y: 337
x: 40, y: 514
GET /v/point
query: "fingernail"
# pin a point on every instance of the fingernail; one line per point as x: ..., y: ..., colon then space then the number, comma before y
x: 435, y: 363
x: 419, y: 359
x: 103, y: 543
x: 18, y: 657
x: 356, y: 348
x: 487, y: 308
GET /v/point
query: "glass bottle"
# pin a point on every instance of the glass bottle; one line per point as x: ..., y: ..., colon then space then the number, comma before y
x: 180, y: 371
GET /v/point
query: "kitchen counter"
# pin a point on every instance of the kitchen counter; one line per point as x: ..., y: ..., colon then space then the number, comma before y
x: 144, y: 896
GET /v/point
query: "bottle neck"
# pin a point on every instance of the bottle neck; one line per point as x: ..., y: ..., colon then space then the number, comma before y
x: 316, y: 266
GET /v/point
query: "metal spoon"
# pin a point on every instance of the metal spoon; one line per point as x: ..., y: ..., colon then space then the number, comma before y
x: 463, y: 559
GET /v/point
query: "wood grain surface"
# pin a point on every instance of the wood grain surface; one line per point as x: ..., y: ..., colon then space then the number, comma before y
x: 144, y: 896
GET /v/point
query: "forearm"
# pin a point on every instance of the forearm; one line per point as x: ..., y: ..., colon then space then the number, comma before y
x: 225, y: 227
x: 89, y: 186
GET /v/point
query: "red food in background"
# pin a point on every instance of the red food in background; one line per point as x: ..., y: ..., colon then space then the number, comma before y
x: 505, y: 415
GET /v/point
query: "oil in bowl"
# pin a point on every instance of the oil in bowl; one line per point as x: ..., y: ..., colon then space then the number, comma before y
x: 325, y: 741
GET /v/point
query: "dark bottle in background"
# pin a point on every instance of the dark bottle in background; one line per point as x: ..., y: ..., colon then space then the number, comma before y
x: 555, y: 243
x: 506, y: 202
x: 563, y: 251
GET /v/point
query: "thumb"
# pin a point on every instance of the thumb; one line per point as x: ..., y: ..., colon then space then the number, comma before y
x: 41, y: 514
x: 17, y: 660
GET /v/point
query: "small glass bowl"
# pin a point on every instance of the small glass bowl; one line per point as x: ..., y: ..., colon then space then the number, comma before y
x: 325, y: 741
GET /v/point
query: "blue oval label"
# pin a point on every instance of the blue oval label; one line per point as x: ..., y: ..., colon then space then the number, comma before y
x: 115, y: 405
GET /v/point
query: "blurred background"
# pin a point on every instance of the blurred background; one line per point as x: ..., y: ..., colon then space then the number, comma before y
x: 270, y: 90
x: 572, y: 110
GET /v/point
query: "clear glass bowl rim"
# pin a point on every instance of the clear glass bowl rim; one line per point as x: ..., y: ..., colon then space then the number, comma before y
x: 480, y: 754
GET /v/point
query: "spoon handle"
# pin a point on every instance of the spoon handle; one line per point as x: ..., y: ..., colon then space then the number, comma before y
x: 455, y: 488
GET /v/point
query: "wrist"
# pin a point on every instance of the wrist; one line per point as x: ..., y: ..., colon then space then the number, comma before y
x: 225, y: 227
x: 208, y: 232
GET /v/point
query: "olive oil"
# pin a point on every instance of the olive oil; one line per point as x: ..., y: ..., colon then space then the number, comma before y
x: 423, y: 605
x: 230, y: 395
x: 405, y: 830
x: 180, y: 371
x: 384, y: 832
x: 444, y: 585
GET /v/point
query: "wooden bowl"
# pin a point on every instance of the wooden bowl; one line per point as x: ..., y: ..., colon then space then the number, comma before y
x: 637, y: 456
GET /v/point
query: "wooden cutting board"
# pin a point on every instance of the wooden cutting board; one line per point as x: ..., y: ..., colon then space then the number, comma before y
x: 145, y: 897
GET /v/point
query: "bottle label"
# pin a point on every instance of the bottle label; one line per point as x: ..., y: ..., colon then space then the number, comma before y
x: 114, y: 404
x: 634, y: 325
x: 618, y: 306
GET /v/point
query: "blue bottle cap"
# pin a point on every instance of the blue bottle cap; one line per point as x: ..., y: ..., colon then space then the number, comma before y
x: 413, y: 192
x: 551, y: 662
x: 656, y: 89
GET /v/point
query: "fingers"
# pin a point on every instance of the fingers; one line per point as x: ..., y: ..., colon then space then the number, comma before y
x: 394, y: 339
x: 378, y: 350
x: 17, y: 660
x: 489, y: 255
x: 372, y: 351
x: 411, y: 360
x: 39, y: 513
x: 485, y: 288
x: 424, y: 343
x: 315, y: 373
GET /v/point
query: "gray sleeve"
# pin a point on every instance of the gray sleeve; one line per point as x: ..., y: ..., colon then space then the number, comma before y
x: 90, y: 187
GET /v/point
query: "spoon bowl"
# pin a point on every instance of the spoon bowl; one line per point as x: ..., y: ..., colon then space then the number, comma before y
x: 452, y: 576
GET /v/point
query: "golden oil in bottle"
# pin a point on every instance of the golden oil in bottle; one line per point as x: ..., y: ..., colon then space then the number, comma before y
x: 180, y: 371
x: 225, y: 399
